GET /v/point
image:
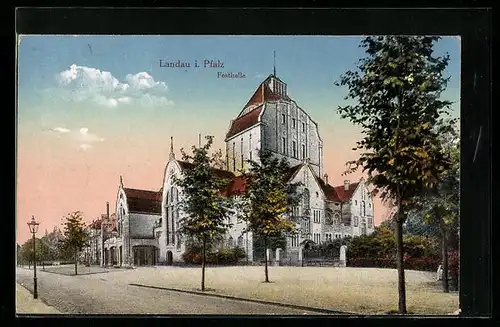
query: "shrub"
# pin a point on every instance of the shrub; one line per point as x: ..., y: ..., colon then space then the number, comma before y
x: 223, y: 256
x: 424, y: 264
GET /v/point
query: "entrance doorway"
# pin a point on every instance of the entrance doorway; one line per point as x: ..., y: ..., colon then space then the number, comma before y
x: 144, y: 255
x: 363, y: 229
x: 170, y: 258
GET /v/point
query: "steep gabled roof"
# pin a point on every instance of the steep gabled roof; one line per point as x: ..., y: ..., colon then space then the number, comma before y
x: 262, y: 94
x: 143, y: 201
x: 243, y: 122
x: 330, y: 193
x: 346, y: 195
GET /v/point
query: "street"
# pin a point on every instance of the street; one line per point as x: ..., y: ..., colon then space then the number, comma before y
x: 84, y: 295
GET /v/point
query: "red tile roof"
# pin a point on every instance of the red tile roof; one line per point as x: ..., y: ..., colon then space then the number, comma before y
x: 143, y: 201
x: 236, y: 186
x: 243, y: 122
x: 261, y: 95
x: 95, y: 224
x: 264, y: 93
x: 345, y: 195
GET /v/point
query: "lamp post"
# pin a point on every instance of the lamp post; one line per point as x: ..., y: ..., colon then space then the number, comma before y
x: 33, y: 226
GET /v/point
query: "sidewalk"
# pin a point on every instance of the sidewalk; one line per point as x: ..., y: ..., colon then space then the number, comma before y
x: 26, y: 304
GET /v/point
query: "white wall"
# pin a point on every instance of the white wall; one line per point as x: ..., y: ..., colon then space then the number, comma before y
x: 246, y: 142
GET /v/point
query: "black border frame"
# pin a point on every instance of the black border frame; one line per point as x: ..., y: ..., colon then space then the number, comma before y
x: 473, y: 25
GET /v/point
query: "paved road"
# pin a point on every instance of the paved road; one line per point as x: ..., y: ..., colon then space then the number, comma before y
x: 83, y: 295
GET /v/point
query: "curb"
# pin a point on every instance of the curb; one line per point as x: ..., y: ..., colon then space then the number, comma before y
x: 292, y: 306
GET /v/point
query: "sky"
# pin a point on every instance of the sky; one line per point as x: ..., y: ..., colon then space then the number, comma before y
x: 92, y: 108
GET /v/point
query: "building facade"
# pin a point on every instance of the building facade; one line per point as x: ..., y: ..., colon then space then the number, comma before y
x: 147, y: 221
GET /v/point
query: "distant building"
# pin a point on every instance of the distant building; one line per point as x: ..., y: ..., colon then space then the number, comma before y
x: 147, y: 221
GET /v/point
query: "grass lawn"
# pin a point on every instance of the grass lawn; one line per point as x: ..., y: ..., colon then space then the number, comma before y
x: 355, y: 290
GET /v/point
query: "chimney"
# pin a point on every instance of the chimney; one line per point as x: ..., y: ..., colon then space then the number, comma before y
x: 346, y: 184
x: 325, y: 177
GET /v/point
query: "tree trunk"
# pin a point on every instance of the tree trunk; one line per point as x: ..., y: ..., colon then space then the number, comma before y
x: 265, y: 259
x: 444, y: 255
x: 399, y: 262
x: 203, y: 261
x: 76, y: 263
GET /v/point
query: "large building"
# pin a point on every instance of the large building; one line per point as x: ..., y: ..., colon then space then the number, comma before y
x: 147, y: 221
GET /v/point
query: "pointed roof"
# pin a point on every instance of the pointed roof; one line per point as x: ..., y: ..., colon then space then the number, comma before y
x: 143, y: 201
x: 243, y: 122
x: 262, y: 94
x: 346, y: 195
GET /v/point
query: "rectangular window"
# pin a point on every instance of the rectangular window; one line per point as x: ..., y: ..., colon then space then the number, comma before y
x: 303, y: 151
x: 241, y: 151
x: 293, y: 122
x: 283, y: 145
x: 303, y: 127
x: 283, y: 118
x: 294, y: 149
x: 234, y: 158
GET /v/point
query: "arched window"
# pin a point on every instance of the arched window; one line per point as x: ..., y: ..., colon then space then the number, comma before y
x: 337, y: 219
x: 230, y: 242
x: 240, y: 241
x: 329, y: 217
x: 307, y: 198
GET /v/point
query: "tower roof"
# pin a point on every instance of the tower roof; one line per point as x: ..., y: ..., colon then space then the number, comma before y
x: 271, y: 89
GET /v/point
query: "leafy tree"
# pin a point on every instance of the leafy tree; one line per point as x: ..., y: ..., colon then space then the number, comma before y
x: 218, y: 160
x: 396, y: 92
x: 75, y: 237
x: 439, y: 205
x: 26, y: 250
x: 416, y: 224
x: 269, y: 197
x: 206, y: 210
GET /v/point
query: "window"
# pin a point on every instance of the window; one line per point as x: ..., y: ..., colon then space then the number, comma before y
x: 356, y: 202
x: 283, y: 118
x: 303, y: 127
x: 241, y: 151
x: 370, y: 222
x: 307, y: 198
x: 316, y: 216
x: 369, y: 205
x: 240, y: 241
x: 303, y: 151
x: 355, y: 221
x: 329, y: 217
x: 363, y: 208
x: 234, y: 158
x: 283, y: 145
x: 337, y: 219
x: 293, y: 122
x: 317, y: 194
x: 294, y: 149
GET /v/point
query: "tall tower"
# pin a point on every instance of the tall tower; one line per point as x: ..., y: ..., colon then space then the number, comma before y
x: 271, y: 120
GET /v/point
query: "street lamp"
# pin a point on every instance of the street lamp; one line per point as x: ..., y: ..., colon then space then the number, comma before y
x: 33, y: 225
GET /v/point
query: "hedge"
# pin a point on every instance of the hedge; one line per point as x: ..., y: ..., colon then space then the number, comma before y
x: 424, y: 264
x: 222, y: 256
